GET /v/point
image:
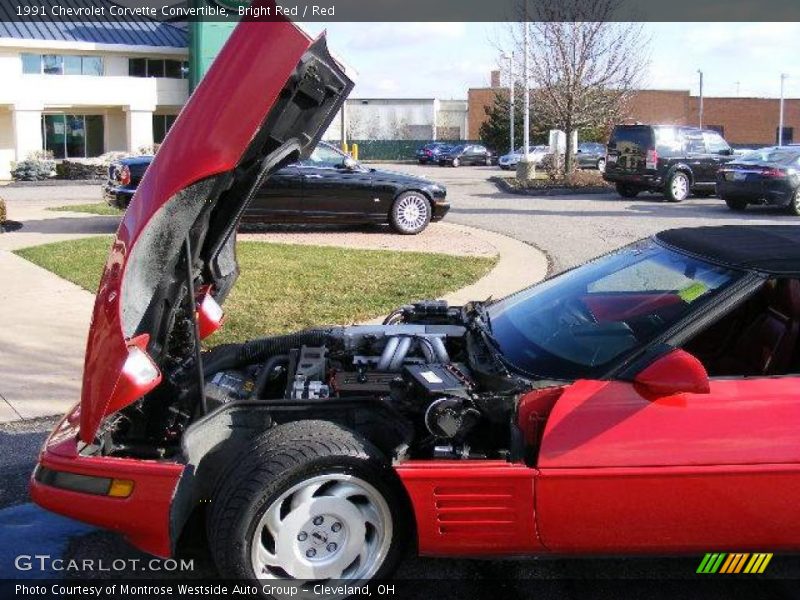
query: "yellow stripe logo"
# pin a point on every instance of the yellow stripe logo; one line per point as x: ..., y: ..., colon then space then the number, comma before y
x: 735, y: 562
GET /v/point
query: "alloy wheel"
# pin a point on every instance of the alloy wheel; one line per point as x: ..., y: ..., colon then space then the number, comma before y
x: 333, y: 526
x: 412, y: 212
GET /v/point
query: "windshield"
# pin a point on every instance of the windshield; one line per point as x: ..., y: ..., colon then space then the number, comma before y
x: 575, y: 325
x: 783, y: 156
x: 456, y: 149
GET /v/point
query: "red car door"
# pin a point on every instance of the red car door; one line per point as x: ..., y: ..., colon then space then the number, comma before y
x: 690, y: 472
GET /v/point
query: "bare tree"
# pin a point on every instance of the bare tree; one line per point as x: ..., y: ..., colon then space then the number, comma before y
x: 584, y: 66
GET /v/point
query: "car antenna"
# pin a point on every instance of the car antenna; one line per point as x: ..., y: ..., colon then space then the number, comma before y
x: 198, y: 355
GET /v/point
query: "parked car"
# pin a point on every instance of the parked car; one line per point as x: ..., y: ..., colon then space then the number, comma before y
x: 674, y: 160
x: 535, y: 153
x: 641, y: 403
x: 466, y: 154
x: 767, y: 176
x: 327, y: 187
x: 591, y: 155
x: 429, y: 153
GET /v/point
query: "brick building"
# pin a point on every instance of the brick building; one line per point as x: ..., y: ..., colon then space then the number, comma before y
x: 743, y: 121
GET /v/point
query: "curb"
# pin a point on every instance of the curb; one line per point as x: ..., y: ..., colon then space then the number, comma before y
x: 504, y: 186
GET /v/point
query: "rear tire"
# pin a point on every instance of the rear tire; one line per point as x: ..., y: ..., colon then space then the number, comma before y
x: 601, y: 165
x: 312, y: 500
x: 736, y: 204
x: 627, y: 190
x: 410, y: 214
x: 794, y: 205
x: 678, y: 187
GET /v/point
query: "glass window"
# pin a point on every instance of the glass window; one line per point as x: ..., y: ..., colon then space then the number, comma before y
x: 92, y: 65
x: 95, y: 135
x: 577, y: 324
x: 54, y: 134
x: 324, y: 156
x: 137, y: 67
x: 76, y: 136
x: 72, y: 65
x: 32, y: 64
x: 155, y: 68
x: 52, y: 64
x: 694, y: 143
x: 172, y: 69
x: 715, y: 144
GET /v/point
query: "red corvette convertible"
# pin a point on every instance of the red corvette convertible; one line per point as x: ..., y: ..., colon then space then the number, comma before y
x: 646, y: 402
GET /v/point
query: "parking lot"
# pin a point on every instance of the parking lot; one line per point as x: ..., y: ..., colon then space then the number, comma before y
x: 573, y: 228
x: 569, y: 229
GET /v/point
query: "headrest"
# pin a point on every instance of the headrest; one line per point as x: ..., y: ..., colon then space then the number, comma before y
x: 786, y: 298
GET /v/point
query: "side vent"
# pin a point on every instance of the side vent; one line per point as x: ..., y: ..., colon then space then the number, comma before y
x: 471, y: 509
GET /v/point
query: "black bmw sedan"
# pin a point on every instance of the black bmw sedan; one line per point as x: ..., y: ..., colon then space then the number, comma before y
x: 466, y: 154
x: 328, y: 187
x: 768, y: 176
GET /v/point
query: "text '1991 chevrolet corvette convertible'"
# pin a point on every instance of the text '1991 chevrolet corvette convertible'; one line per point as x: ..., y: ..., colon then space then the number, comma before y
x: 645, y: 402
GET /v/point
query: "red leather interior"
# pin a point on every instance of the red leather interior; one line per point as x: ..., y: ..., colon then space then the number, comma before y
x: 618, y: 307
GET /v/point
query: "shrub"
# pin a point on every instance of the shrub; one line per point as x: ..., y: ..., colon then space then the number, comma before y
x: 33, y: 169
x: 149, y: 150
x: 3, y: 214
x: 89, y: 169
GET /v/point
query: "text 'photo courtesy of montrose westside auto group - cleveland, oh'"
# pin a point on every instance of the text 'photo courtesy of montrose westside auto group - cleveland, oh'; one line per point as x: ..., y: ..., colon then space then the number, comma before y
x: 424, y: 300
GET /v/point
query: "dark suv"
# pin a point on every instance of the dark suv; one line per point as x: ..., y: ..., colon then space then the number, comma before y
x: 670, y: 159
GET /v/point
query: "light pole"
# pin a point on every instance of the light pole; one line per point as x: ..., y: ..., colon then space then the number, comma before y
x: 511, y: 86
x: 780, y: 117
x: 699, y: 72
x: 526, y: 141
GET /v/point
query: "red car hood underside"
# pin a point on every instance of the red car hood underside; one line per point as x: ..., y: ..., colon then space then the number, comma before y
x: 236, y: 118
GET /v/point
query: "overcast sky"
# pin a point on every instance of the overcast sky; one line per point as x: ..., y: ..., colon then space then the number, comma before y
x: 443, y: 60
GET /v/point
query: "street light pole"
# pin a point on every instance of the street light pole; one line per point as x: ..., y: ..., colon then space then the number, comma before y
x: 699, y: 72
x: 780, y: 118
x: 511, y: 92
x: 526, y: 142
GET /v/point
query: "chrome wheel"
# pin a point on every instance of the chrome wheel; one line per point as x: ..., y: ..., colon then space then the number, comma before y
x: 679, y: 187
x: 334, y: 526
x: 456, y: 162
x: 411, y: 213
x: 794, y: 207
x: 601, y: 165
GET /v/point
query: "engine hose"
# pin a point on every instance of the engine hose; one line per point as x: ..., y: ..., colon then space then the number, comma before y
x: 232, y: 356
x: 266, y: 370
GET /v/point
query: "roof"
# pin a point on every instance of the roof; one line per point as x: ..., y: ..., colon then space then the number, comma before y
x: 140, y: 32
x: 773, y: 249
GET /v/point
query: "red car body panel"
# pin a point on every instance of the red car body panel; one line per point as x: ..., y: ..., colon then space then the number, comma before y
x: 480, y: 508
x: 619, y: 472
x: 223, y: 136
x: 143, y: 518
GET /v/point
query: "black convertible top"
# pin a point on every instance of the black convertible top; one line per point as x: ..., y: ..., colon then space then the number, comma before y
x: 773, y: 249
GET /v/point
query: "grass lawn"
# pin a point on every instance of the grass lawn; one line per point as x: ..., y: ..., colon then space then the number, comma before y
x: 287, y: 287
x: 96, y: 208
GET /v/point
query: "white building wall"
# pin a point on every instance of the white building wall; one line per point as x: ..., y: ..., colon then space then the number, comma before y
x: 127, y: 103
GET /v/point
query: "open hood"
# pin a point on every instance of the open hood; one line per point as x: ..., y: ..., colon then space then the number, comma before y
x: 266, y: 101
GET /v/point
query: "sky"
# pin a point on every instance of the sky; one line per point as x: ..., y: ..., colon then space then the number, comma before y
x: 443, y: 60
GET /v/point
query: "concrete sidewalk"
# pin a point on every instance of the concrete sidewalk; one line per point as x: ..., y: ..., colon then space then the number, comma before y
x: 46, y: 318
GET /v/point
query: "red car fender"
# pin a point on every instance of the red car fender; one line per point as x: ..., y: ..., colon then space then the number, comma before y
x: 472, y: 508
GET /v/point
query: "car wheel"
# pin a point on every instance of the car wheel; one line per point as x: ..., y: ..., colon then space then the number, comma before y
x: 601, y: 165
x: 678, y: 187
x: 313, y: 501
x: 627, y: 191
x: 456, y: 162
x: 736, y: 204
x: 410, y: 213
x: 794, y: 205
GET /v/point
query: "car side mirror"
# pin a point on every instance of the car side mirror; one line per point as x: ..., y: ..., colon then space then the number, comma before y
x: 726, y: 152
x: 677, y: 372
x: 349, y: 164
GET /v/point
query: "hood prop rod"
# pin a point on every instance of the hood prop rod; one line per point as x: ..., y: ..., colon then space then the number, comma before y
x: 192, y: 300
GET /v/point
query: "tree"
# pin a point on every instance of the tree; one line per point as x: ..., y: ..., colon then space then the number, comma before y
x: 584, y: 67
x: 495, y: 131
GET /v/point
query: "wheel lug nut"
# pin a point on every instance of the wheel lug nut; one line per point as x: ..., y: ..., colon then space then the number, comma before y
x: 302, y: 536
x: 331, y: 547
x: 336, y: 527
x: 318, y: 520
x: 311, y: 553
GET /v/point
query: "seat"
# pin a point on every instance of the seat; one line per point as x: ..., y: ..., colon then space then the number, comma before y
x: 767, y: 345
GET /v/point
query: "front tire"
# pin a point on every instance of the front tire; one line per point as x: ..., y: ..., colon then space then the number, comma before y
x: 601, y: 165
x: 456, y: 162
x: 794, y: 205
x: 678, y: 187
x: 410, y: 213
x: 312, y: 501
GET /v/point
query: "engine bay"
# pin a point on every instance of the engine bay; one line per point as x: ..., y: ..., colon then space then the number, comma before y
x: 427, y: 370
